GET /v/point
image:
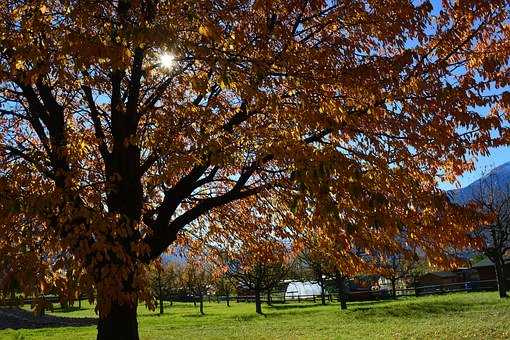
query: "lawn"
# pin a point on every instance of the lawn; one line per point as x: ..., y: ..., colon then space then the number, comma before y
x: 452, y: 316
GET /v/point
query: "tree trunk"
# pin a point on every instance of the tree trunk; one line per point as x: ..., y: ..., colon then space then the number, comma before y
x: 161, y: 310
x: 342, y: 292
x: 343, y: 303
x: 269, y: 297
x: 202, y: 304
x: 228, y: 300
x: 119, y: 324
x: 13, y: 298
x: 500, y: 276
x: 320, y: 281
x: 258, y: 304
x: 323, y: 293
x: 393, y: 288
x: 415, y: 285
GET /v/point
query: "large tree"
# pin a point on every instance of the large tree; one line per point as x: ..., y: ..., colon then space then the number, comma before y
x: 126, y: 123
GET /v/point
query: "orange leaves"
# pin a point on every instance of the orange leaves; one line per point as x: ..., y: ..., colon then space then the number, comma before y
x: 206, y: 30
x: 276, y: 123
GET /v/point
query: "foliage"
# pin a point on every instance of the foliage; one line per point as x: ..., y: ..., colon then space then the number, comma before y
x: 164, y: 278
x: 335, y: 116
x: 196, y: 278
x: 256, y: 263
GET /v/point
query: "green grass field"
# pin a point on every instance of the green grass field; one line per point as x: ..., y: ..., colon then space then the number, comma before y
x: 452, y: 316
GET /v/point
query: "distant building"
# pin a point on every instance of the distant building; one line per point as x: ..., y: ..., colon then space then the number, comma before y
x: 460, y: 279
x: 487, y: 272
x: 297, y: 289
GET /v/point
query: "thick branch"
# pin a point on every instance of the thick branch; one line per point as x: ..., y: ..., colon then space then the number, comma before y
x: 98, y: 128
x: 169, y: 234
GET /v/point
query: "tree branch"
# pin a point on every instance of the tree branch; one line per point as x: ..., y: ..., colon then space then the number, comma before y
x: 98, y: 128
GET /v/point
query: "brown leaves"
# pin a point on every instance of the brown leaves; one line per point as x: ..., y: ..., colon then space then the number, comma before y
x: 276, y: 123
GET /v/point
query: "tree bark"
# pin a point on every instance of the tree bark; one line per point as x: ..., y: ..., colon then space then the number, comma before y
x: 342, y: 292
x: 119, y: 324
x: 323, y: 293
x: 161, y: 309
x: 202, y: 304
x: 258, y: 304
x: 415, y: 285
x: 393, y: 288
x: 13, y: 298
x: 500, y: 276
x: 320, y: 280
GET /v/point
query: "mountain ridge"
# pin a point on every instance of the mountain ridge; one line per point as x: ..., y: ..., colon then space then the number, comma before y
x: 499, y: 177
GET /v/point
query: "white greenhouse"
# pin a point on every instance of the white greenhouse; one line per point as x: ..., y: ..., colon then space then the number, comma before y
x: 302, y: 289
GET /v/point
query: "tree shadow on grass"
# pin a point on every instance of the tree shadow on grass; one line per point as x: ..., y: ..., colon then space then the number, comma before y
x: 17, y: 318
x: 198, y: 315
x: 288, y: 307
x: 371, y: 302
x: 414, y: 310
x: 248, y: 317
x: 67, y: 310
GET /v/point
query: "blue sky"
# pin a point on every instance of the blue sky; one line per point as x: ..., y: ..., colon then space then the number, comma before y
x: 484, y: 164
x: 497, y: 157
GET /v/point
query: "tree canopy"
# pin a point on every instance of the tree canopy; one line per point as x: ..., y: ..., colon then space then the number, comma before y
x: 128, y: 124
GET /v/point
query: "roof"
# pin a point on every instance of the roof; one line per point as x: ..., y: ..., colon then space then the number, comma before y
x: 486, y: 262
x: 483, y: 263
x: 442, y: 274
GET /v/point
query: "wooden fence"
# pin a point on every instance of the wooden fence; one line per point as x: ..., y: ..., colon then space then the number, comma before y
x: 279, y: 297
x: 369, y: 295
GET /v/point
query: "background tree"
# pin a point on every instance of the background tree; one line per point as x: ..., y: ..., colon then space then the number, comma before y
x: 494, y: 201
x: 341, y: 282
x: 397, y: 266
x: 164, y: 281
x: 256, y: 260
x: 257, y: 278
x: 318, y: 269
x: 197, y: 277
x: 326, y: 258
x: 127, y: 123
x: 224, y: 287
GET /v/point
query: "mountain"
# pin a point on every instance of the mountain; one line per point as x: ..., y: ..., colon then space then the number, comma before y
x: 497, y: 181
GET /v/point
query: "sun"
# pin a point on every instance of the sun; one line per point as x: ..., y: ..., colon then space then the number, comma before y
x: 167, y: 60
